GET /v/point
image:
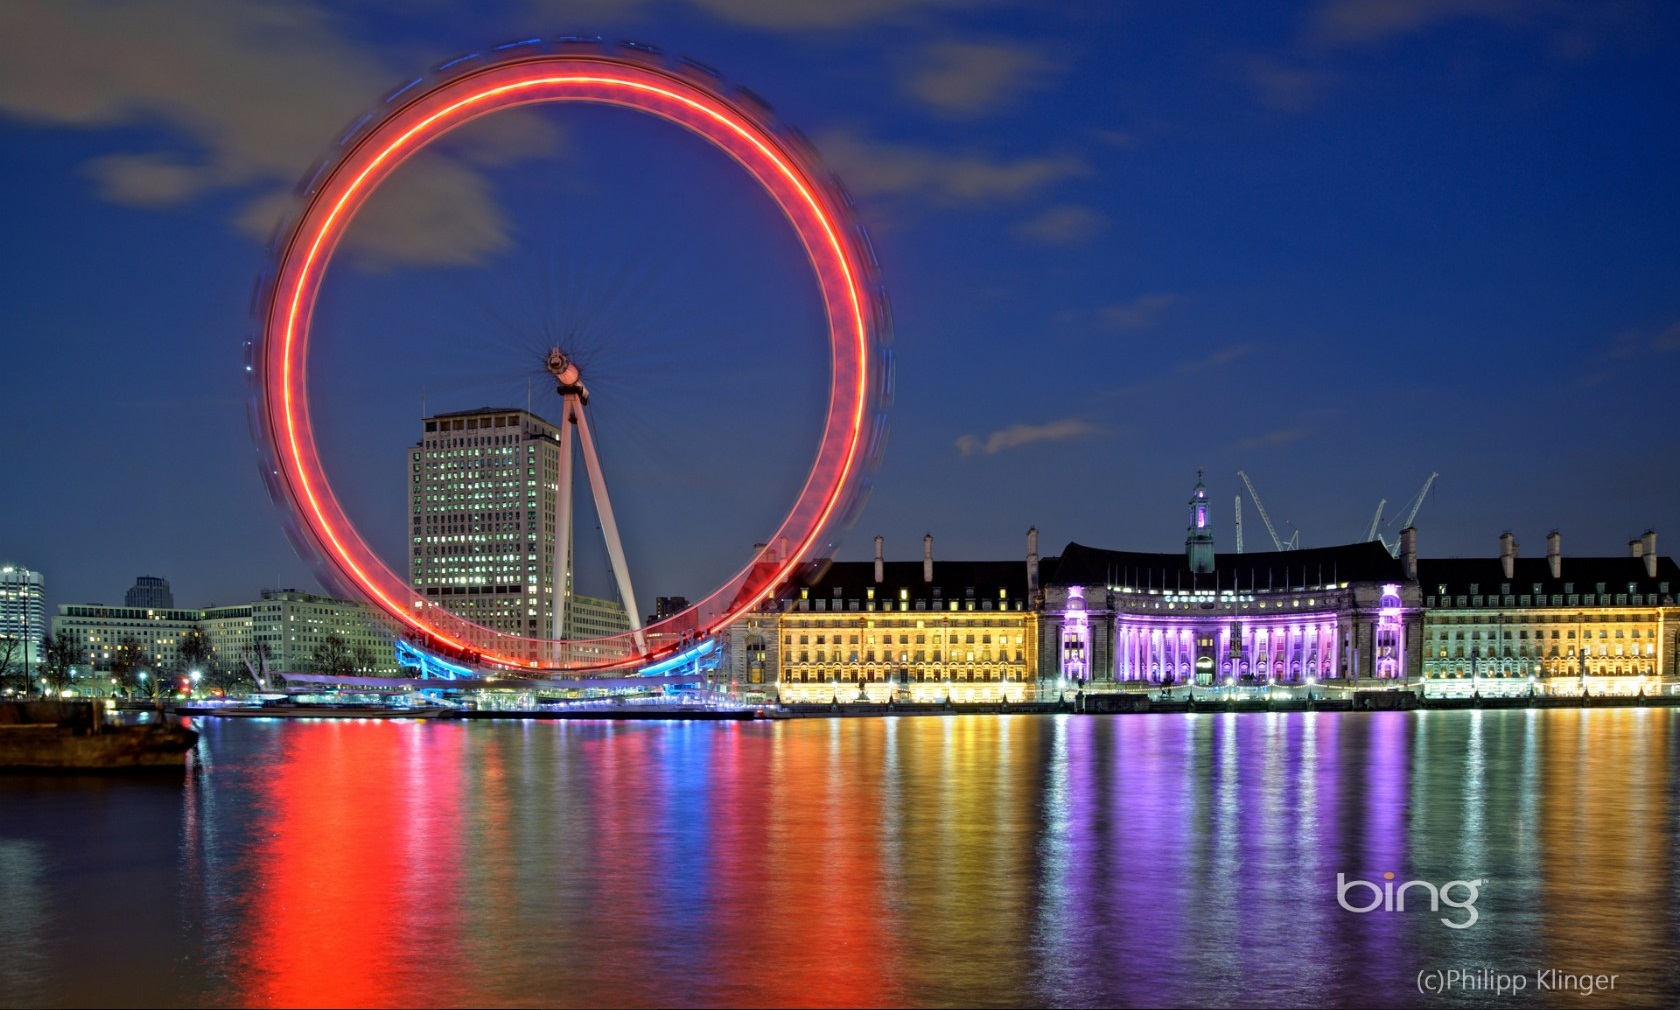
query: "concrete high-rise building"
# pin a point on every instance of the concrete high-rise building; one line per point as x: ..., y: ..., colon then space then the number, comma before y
x: 22, y: 615
x: 150, y: 591
x: 482, y: 486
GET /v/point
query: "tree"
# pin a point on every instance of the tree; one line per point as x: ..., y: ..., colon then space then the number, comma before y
x: 129, y: 660
x: 332, y: 657
x: 195, y: 653
x: 366, y: 661
x: 11, y: 655
x: 59, y: 653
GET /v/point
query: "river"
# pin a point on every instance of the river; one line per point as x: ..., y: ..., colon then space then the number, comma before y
x: 915, y: 861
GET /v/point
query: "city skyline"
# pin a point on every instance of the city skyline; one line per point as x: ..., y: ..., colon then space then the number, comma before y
x: 1334, y: 249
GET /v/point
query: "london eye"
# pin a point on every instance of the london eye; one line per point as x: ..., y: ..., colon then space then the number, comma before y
x: 572, y: 72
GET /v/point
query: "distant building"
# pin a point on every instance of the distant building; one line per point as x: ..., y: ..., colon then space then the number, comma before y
x: 1335, y: 616
x: 151, y: 592
x: 23, y: 617
x: 1510, y: 625
x: 482, y: 486
x: 98, y: 629
x: 289, y: 626
x: 286, y: 625
x: 667, y: 606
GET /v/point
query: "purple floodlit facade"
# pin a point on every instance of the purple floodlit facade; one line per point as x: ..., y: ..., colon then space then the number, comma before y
x: 1337, y: 616
x: 1139, y: 628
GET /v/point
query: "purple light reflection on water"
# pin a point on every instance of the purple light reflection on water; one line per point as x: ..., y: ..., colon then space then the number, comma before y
x: 911, y: 861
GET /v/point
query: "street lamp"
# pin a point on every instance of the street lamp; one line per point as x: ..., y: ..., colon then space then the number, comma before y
x: 196, y: 675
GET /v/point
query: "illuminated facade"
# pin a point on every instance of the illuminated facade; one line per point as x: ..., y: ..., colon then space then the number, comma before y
x: 481, y: 487
x: 98, y: 629
x: 1332, y: 617
x: 23, y: 616
x: 881, y: 632
x: 287, y: 625
x: 1552, y: 625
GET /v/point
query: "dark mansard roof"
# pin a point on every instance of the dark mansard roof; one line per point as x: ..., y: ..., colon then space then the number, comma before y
x: 1093, y: 566
x: 1583, y: 574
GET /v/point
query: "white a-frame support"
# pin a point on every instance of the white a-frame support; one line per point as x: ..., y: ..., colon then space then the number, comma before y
x: 574, y: 403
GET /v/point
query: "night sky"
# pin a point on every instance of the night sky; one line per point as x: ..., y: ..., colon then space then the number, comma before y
x: 1338, y: 245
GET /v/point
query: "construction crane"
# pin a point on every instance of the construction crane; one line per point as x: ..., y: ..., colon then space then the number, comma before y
x: 1294, y: 540
x: 1236, y: 510
x: 1376, y: 522
x: 1411, y: 514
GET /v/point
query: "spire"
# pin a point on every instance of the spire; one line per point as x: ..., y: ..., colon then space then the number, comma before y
x: 1198, y: 546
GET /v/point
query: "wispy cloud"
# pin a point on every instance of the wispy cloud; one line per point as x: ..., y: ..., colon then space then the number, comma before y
x: 1630, y: 349
x: 875, y: 168
x: 1207, y: 362
x: 1138, y: 313
x: 1277, y: 436
x: 1373, y: 22
x: 1063, y: 225
x: 1017, y: 435
x: 1285, y: 85
x: 1216, y: 359
x: 1573, y: 31
x: 820, y: 15
x: 250, y: 94
x: 967, y: 80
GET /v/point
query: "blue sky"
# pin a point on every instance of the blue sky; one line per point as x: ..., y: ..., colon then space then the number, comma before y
x: 1337, y: 244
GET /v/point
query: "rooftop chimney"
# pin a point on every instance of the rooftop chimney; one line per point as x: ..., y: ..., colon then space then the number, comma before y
x: 879, y: 563
x: 1650, y: 539
x: 927, y: 557
x: 1636, y: 548
x: 1508, y: 554
x: 1408, y: 552
x: 1032, y: 564
x: 1554, y: 553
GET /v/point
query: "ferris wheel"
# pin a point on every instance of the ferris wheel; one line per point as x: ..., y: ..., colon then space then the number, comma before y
x: 639, y: 79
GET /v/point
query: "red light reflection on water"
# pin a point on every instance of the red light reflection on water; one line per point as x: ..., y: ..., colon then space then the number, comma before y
x: 358, y: 817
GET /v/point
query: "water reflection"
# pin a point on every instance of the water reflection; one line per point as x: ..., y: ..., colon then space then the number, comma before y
x: 928, y: 861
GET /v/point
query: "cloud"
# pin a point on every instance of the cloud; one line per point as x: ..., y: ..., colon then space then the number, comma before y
x: 1138, y: 313
x: 965, y: 80
x: 1283, y: 85
x: 878, y: 168
x: 1066, y: 224
x: 1667, y: 340
x: 1017, y: 435
x: 818, y: 15
x: 1217, y: 359
x: 1574, y: 31
x: 249, y: 94
x: 1350, y: 23
x: 148, y: 180
x: 1629, y: 349
x: 1279, y: 436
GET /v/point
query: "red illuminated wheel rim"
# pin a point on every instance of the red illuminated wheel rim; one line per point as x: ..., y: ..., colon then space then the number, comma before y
x: 812, y: 203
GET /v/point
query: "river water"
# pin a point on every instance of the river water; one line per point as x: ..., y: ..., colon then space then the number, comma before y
x: 920, y: 861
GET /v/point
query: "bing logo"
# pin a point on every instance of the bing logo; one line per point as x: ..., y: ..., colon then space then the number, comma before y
x: 1391, y: 897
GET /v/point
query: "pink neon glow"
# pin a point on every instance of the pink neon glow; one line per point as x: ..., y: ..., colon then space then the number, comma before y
x: 842, y: 274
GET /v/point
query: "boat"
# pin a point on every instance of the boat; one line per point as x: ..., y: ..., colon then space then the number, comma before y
x: 73, y: 735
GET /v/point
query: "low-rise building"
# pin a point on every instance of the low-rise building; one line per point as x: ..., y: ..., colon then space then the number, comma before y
x: 910, y: 631
x: 1509, y: 625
